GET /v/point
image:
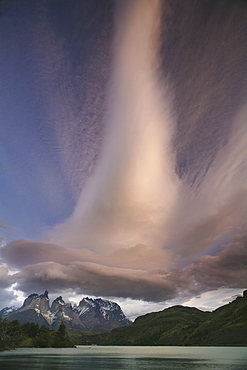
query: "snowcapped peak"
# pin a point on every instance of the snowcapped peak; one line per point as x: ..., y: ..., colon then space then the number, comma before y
x: 107, y: 305
x: 7, y: 310
x: 89, y: 301
x: 11, y: 309
x: 81, y: 310
x: 99, y: 302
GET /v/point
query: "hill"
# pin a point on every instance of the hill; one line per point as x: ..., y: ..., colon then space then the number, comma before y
x: 186, y: 326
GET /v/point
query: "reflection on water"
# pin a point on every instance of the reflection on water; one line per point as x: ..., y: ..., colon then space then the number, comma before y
x: 97, y: 357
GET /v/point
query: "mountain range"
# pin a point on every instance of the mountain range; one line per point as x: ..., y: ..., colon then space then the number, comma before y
x: 90, y: 314
x: 174, y: 326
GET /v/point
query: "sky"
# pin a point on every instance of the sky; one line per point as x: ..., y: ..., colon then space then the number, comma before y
x: 123, y: 146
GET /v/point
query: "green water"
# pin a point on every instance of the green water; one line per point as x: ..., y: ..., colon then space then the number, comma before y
x: 99, y: 357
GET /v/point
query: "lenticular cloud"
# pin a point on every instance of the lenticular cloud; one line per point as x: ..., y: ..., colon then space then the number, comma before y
x: 133, y: 190
x: 139, y: 229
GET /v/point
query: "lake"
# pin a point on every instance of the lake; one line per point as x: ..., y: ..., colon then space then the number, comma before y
x: 118, y: 358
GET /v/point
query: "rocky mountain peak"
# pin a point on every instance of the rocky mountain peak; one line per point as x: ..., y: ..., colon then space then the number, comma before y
x: 89, y: 314
x: 44, y: 295
x: 87, y: 301
x: 33, y: 296
x: 59, y: 300
x: 101, y: 313
x: 38, y: 302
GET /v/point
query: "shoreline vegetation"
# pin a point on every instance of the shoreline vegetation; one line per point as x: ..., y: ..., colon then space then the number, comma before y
x: 174, y: 326
x: 30, y: 335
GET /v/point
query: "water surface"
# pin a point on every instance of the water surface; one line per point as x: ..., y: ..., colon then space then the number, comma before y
x: 114, y: 357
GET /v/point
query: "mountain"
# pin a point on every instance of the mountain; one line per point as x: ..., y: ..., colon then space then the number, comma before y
x: 91, y: 314
x: 64, y: 312
x: 7, y: 310
x: 187, y: 326
x: 101, y: 313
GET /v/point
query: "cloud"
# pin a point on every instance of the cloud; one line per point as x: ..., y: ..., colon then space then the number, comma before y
x: 134, y: 197
x: 6, y: 280
x: 211, y: 300
x: 133, y: 188
x: 97, y: 280
x: 140, y: 230
x: 217, y: 206
x: 226, y: 269
x: 8, y: 298
x: 133, y: 308
x: 20, y: 253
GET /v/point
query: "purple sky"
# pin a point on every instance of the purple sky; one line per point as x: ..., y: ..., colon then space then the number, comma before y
x: 123, y: 150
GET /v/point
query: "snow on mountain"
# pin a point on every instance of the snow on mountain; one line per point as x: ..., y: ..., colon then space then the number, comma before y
x: 89, y: 314
x: 101, y: 313
x: 7, y: 310
x: 81, y: 310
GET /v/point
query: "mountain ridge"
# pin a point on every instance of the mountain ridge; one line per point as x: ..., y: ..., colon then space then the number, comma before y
x: 90, y: 314
x: 186, y: 326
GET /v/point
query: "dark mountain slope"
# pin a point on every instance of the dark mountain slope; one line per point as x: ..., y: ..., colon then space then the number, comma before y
x: 180, y: 325
x: 224, y: 326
